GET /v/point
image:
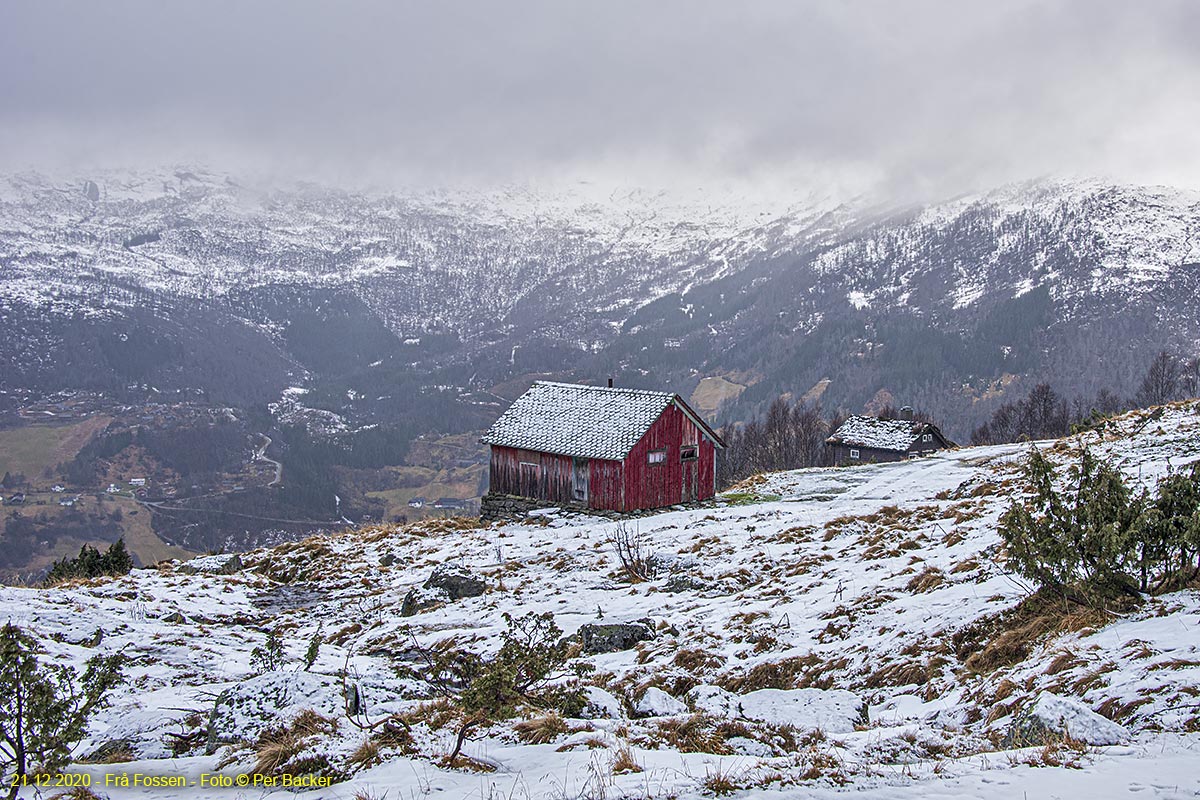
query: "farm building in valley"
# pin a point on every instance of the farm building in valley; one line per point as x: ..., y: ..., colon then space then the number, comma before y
x: 565, y: 444
x: 869, y: 440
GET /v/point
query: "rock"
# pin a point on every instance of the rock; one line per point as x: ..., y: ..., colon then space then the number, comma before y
x: 387, y: 560
x: 1051, y: 716
x: 712, y: 700
x: 599, y: 704
x: 456, y: 580
x: 614, y: 637
x: 174, y: 616
x: 682, y: 582
x: 657, y: 703
x: 212, y: 565
x: 830, y: 710
x: 112, y: 751
x: 244, y: 711
x: 418, y: 600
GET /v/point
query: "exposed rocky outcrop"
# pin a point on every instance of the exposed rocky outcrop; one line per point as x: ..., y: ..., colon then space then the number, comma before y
x: 614, y: 637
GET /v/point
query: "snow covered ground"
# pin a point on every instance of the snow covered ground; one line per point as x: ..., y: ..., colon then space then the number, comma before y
x: 831, y: 589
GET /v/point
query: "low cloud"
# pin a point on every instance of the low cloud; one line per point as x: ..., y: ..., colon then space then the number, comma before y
x: 924, y: 97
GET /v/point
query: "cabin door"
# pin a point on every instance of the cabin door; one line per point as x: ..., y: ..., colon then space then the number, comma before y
x: 579, y: 480
x: 529, y: 479
x: 689, y: 463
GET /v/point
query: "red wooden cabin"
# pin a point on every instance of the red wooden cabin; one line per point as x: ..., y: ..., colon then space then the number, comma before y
x: 604, y: 448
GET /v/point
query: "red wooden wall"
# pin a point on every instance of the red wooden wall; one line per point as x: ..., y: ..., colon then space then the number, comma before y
x: 656, y: 485
x: 551, y: 481
x: 616, y: 485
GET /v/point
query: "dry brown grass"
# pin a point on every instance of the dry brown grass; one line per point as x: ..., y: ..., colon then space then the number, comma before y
x: 966, y: 565
x: 1062, y: 662
x: 541, y: 730
x: 799, y: 672
x: 904, y: 673
x: 926, y: 580
x: 694, y: 734
x: 435, y: 714
x: 1117, y: 711
x: 366, y: 755
x: 1175, y: 663
x: 624, y: 762
x: 1007, y: 638
x: 1061, y: 751
x: 466, y: 764
x: 697, y: 660
x: 276, y: 748
x: 76, y: 793
x: 720, y: 783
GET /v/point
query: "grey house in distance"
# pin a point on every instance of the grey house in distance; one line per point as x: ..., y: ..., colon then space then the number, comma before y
x: 869, y: 440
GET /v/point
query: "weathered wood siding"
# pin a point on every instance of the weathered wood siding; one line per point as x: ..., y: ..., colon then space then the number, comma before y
x: 606, y: 489
x: 529, y: 473
x: 656, y: 485
x: 616, y: 485
x: 872, y: 455
x: 866, y: 455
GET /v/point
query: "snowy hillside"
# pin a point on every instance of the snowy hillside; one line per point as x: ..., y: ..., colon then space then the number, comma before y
x: 820, y: 630
x: 472, y: 289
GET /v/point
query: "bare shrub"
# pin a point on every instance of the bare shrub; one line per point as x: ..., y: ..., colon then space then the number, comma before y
x: 637, y: 562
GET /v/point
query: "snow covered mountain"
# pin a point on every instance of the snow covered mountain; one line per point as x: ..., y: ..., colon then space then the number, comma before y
x: 840, y: 628
x: 935, y: 304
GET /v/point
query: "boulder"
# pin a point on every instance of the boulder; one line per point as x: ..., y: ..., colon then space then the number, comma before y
x: 657, y: 703
x: 174, y: 616
x: 712, y: 700
x: 613, y: 637
x: 1051, y: 716
x: 830, y: 710
x: 212, y: 565
x: 244, y: 711
x: 418, y: 600
x: 682, y: 582
x: 456, y: 581
x: 599, y: 704
x: 111, y: 751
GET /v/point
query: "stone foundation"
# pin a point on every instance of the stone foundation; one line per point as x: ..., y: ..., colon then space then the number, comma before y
x: 494, y: 507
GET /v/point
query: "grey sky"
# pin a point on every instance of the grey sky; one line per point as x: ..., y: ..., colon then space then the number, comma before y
x: 926, y: 96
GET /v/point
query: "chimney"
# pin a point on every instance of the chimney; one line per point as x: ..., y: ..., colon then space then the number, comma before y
x: 610, y: 383
x: 906, y: 413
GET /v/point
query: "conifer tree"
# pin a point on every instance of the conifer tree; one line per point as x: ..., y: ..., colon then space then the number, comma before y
x: 44, y: 709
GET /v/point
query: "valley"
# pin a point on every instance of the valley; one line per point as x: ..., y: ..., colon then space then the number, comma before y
x: 816, y: 631
x: 350, y: 328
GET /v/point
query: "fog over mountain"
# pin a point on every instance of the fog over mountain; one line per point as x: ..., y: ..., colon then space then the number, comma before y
x: 926, y: 98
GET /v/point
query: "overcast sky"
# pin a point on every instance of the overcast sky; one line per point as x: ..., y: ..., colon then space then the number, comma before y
x: 906, y: 96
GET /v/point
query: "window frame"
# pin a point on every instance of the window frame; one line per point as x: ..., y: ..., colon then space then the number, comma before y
x: 854, y: 454
x: 685, y: 449
x: 657, y: 462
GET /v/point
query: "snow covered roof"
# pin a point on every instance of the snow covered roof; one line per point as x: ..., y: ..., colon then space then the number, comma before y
x: 583, y: 421
x: 883, y: 434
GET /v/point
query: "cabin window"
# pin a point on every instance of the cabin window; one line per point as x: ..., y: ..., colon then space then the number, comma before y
x: 689, y: 452
x: 657, y: 457
x: 928, y: 437
x: 854, y: 454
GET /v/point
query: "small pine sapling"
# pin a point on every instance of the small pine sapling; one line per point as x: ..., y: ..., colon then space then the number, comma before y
x: 44, y: 709
x: 269, y: 657
x: 313, y: 651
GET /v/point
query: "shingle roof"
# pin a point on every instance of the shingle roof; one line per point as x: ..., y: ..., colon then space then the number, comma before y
x: 580, y: 421
x: 881, y: 434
